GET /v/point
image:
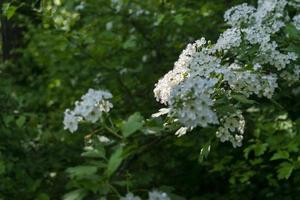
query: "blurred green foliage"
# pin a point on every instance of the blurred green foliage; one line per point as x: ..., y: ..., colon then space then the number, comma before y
x: 126, y: 46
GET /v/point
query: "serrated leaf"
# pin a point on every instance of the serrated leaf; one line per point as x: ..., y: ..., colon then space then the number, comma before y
x: 133, y: 124
x: 82, y: 171
x: 75, y: 195
x: 114, y: 161
x: 285, y: 170
x: 280, y: 155
x: 259, y: 149
x: 204, y: 152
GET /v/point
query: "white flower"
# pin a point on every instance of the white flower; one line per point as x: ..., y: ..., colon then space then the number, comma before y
x: 130, y: 196
x: 161, y: 111
x: 71, y: 121
x: 157, y: 195
x: 229, y: 39
x: 239, y: 15
x: 205, y: 74
x: 103, y: 139
x: 256, y: 34
x: 94, y: 115
x: 195, y: 107
x: 182, y: 131
x: 232, y: 129
x: 90, y: 108
x: 109, y: 26
x: 257, y: 66
x: 105, y: 106
x: 296, y: 21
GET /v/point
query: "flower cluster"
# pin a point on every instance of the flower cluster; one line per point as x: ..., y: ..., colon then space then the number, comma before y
x: 153, y: 195
x: 90, y: 109
x: 232, y: 129
x: 246, y: 60
x: 296, y: 21
x: 239, y: 15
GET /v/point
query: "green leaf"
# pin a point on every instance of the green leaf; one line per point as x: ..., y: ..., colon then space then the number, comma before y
x: 133, y: 124
x: 280, y: 155
x: 2, y: 167
x: 242, y: 99
x: 276, y: 104
x: 285, y: 170
x: 42, y: 196
x: 247, y: 151
x: 82, y: 171
x: 8, y: 10
x: 114, y: 161
x: 8, y: 119
x: 259, y: 149
x: 20, y: 121
x: 130, y: 43
x: 204, y: 152
x: 179, y: 19
x: 75, y: 195
x: 160, y: 18
x: 291, y: 31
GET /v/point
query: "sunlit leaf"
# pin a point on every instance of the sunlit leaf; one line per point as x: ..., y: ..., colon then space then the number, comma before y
x: 133, y: 124
x: 285, y: 170
x: 115, y: 161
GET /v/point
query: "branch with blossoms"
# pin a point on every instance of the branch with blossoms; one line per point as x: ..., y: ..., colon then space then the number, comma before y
x: 210, y: 86
x: 210, y: 82
x: 249, y: 59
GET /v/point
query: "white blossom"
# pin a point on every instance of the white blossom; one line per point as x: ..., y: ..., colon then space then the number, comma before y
x: 239, y: 15
x: 104, y: 139
x: 296, y: 21
x: 246, y: 60
x: 161, y: 111
x: 232, y: 129
x: 89, y: 108
x: 182, y: 131
x: 130, y: 196
x: 257, y: 66
x: 158, y: 195
x: 195, y: 109
x: 71, y: 121
x: 229, y: 39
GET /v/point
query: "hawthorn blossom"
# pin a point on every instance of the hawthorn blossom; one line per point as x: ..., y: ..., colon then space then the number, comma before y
x: 204, y: 73
x: 89, y: 108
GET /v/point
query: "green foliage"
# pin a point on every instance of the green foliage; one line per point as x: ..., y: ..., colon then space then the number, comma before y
x: 114, y: 161
x: 134, y: 123
x: 8, y: 10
